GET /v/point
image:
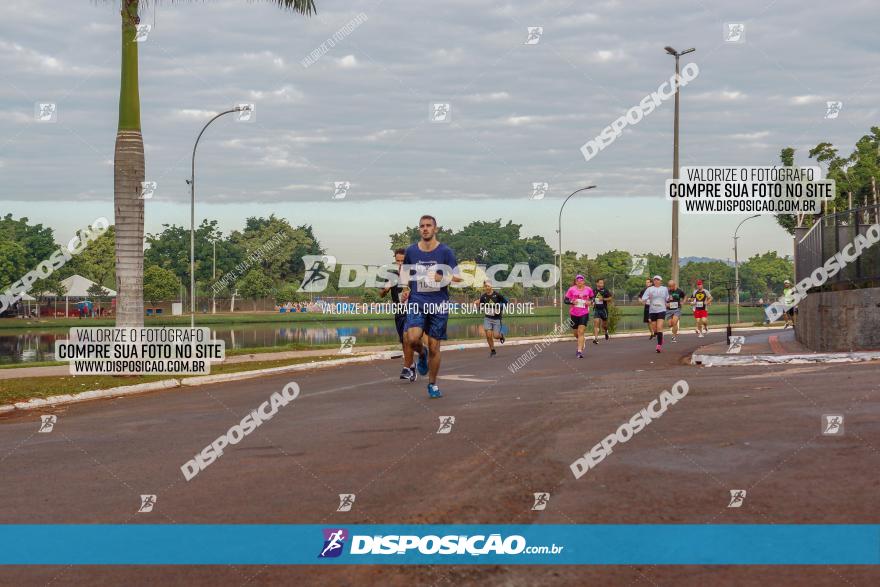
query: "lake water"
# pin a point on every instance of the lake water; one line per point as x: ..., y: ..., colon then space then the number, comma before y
x: 19, y: 346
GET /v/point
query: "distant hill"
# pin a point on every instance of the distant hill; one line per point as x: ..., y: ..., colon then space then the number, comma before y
x: 685, y: 260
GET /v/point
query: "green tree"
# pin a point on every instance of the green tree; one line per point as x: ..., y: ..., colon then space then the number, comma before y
x: 288, y: 293
x: 255, y: 285
x: 716, y: 275
x: 96, y: 262
x: 855, y: 176
x: 762, y: 275
x: 128, y: 169
x: 48, y: 287
x: 97, y: 291
x: 13, y: 262
x: 169, y: 249
x: 487, y: 243
x: 160, y: 284
x: 36, y: 240
x: 276, y: 246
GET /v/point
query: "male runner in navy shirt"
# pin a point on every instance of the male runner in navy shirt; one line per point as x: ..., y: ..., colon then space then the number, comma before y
x: 432, y: 266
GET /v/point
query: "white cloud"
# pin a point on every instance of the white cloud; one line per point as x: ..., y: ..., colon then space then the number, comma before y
x: 194, y: 114
x: 285, y: 94
x: 347, y: 62
x: 447, y: 56
x: 490, y: 97
x: 281, y: 157
x: 750, y: 136
x: 720, y: 96
x: 806, y: 99
x: 607, y: 56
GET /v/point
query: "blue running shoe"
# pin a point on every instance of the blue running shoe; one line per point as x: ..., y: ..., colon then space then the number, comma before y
x: 409, y: 373
x: 423, y: 362
x: 434, y: 391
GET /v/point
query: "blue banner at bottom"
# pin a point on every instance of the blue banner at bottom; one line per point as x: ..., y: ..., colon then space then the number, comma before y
x: 247, y: 544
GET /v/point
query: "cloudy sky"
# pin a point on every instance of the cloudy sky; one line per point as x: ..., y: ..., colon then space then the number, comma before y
x: 361, y: 112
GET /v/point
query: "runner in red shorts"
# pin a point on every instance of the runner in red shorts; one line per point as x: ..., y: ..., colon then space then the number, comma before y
x: 701, y: 300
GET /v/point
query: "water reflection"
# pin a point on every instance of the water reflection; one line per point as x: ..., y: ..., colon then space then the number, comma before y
x: 40, y: 345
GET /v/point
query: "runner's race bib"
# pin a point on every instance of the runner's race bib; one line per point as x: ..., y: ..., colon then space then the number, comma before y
x: 580, y: 303
x: 673, y: 305
x: 600, y: 301
x: 424, y: 282
x: 699, y: 304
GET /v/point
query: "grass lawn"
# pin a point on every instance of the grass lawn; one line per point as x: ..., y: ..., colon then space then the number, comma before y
x: 16, y: 390
x: 219, y: 319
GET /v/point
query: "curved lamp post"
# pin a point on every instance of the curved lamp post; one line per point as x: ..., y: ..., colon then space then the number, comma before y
x: 559, y: 231
x: 736, y: 263
x: 192, y: 219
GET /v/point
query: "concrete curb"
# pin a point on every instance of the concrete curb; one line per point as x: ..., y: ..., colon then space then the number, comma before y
x: 93, y: 394
x: 739, y: 360
x: 37, y: 403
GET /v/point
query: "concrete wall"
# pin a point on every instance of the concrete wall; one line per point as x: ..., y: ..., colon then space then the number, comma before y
x: 840, y: 320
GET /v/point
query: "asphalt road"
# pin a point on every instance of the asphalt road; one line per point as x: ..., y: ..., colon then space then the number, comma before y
x: 359, y: 429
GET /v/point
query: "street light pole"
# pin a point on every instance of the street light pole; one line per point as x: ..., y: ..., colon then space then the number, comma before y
x: 559, y: 232
x: 192, y: 220
x: 736, y: 263
x: 674, y: 260
x: 214, y: 276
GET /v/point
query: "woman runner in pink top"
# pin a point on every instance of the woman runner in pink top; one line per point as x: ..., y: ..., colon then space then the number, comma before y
x: 579, y: 297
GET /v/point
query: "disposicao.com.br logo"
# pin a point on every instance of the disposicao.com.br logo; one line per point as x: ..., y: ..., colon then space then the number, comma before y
x: 430, y: 544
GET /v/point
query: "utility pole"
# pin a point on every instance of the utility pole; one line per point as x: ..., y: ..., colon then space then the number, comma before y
x: 674, y: 260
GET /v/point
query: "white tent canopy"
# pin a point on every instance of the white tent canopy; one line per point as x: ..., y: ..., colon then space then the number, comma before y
x: 78, y: 286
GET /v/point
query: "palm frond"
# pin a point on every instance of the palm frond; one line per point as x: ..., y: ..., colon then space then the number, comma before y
x: 306, y: 7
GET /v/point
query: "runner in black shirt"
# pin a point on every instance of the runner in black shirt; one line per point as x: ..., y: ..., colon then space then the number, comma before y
x: 492, y: 304
x: 646, y: 319
x: 600, y: 303
x: 399, y: 295
x: 673, y: 307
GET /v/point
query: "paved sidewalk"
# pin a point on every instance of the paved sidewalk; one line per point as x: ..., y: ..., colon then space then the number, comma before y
x: 767, y: 347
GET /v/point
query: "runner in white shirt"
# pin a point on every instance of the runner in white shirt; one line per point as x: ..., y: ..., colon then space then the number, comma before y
x: 655, y: 297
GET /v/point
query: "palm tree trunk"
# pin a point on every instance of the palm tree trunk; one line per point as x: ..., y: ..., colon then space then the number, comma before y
x: 128, y: 173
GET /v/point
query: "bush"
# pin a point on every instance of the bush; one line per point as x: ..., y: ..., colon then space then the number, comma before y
x: 613, y: 317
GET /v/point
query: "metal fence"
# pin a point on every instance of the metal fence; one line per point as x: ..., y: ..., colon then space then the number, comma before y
x: 828, y: 236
